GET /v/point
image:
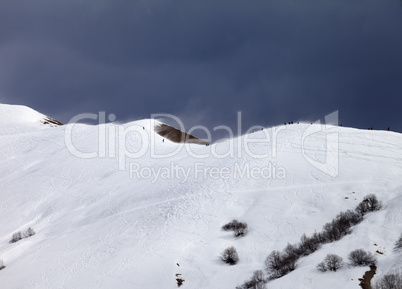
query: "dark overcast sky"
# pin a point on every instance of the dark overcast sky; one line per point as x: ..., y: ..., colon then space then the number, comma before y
x: 204, y: 60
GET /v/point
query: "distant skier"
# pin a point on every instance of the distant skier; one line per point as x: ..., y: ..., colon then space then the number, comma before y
x: 163, y: 140
x: 388, y: 129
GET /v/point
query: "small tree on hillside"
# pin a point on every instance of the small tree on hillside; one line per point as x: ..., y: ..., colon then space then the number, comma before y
x: 369, y: 204
x: 398, y: 244
x: 239, y: 228
x: 331, y: 262
x: 16, y: 237
x: 322, y: 267
x: 274, y: 264
x: 360, y: 257
x: 307, y: 245
x: 30, y: 232
x: 389, y: 281
x: 2, y: 266
x: 230, y: 256
x: 362, y: 208
x: 257, y: 281
x: 291, y: 250
x: 372, y: 203
x: 279, y: 264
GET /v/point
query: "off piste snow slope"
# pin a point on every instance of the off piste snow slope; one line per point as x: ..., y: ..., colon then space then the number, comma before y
x: 115, y: 206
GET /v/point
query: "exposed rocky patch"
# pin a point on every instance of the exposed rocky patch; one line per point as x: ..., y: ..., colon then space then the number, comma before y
x: 177, y: 136
x: 50, y: 121
x: 179, y: 280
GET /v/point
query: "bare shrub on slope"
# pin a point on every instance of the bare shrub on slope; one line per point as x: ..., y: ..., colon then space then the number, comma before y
x: 239, y: 228
x: 279, y: 264
x: 398, y: 244
x: 369, y: 204
x: 19, y: 236
x: 28, y: 233
x: 230, y: 256
x: 257, y: 281
x: 331, y: 262
x: 360, y: 257
x: 16, y: 237
x: 389, y: 281
x: 2, y: 266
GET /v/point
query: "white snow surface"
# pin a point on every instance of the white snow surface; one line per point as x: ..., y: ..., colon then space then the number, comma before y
x: 18, y: 114
x: 19, y: 118
x: 100, y: 227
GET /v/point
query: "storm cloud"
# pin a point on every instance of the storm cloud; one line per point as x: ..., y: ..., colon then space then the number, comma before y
x: 276, y: 61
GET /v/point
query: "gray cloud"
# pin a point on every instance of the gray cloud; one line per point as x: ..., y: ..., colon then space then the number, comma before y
x: 204, y: 60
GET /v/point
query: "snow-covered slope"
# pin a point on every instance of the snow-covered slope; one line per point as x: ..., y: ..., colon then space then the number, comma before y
x: 16, y: 119
x: 18, y: 114
x: 105, y: 221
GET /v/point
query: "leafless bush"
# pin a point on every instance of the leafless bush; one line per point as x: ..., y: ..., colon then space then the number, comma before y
x: 274, y: 264
x: 372, y: 203
x: 230, y: 256
x: 2, y: 266
x: 278, y: 264
x: 307, y: 246
x: 239, y: 228
x: 28, y: 233
x: 16, y: 237
x: 334, y: 262
x: 291, y: 250
x: 353, y: 217
x: 289, y: 262
x: 331, y: 232
x: 322, y: 267
x: 345, y: 220
x: 257, y: 281
x: 389, y: 281
x: 398, y: 244
x: 231, y: 225
x: 360, y: 257
x: 340, y: 226
x: 369, y: 204
x: 319, y: 238
x: 362, y: 208
x: 331, y: 262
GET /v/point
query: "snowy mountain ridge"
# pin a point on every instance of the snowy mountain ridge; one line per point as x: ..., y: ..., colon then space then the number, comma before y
x: 20, y: 118
x: 118, y: 206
